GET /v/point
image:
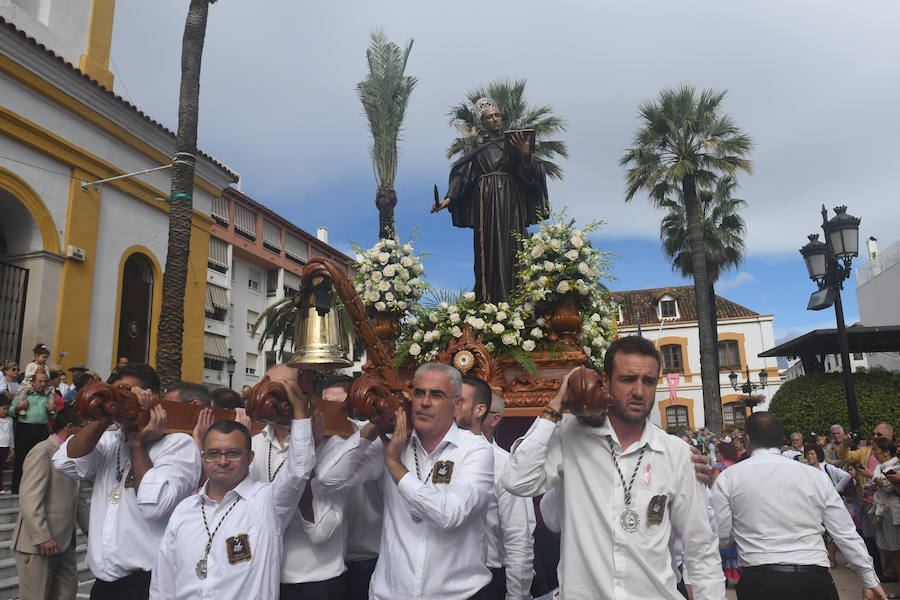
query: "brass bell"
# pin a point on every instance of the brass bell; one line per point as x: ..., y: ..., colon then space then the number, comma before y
x: 318, y: 342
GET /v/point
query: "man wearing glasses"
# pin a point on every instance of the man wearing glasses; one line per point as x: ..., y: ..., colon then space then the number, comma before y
x: 225, y: 541
x: 864, y: 455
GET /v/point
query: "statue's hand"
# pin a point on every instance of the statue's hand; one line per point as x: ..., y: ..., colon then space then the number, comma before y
x: 439, y: 206
x: 521, y: 144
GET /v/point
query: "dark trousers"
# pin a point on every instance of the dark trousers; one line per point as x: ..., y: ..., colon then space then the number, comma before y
x: 330, y: 589
x: 496, y: 589
x: 766, y: 583
x: 134, y: 587
x: 359, y: 574
x: 27, y: 437
x: 4, y: 456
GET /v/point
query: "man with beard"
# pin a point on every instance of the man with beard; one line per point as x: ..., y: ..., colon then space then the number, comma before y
x: 627, y: 484
x: 497, y: 193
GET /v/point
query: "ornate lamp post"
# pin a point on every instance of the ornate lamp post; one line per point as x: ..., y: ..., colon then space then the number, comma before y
x: 229, y: 366
x: 748, y: 387
x: 829, y: 264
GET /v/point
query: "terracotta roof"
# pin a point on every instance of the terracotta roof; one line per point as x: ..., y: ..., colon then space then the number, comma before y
x: 11, y: 27
x: 234, y: 194
x: 643, y: 304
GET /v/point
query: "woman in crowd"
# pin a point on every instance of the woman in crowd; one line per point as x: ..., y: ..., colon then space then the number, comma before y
x: 8, y: 381
x: 887, y: 502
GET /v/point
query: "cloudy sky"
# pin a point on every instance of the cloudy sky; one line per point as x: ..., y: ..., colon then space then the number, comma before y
x: 813, y: 82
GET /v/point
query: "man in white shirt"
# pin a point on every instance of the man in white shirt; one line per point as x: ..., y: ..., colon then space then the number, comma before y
x: 313, y: 545
x: 781, y: 550
x: 139, y: 478
x: 625, y: 484
x: 226, y: 541
x: 437, y: 481
x: 510, y: 519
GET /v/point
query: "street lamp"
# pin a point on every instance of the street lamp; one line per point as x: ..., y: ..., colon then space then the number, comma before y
x: 829, y: 264
x: 229, y: 366
x: 748, y: 387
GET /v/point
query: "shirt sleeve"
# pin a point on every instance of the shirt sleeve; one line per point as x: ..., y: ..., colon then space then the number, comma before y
x: 337, y: 464
x: 688, y: 513
x: 173, y: 477
x: 288, y: 485
x: 83, y: 467
x: 843, y: 478
x: 328, y: 513
x: 517, y: 523
x: 534, y: 463
x: 722, y: 509
x: 839, y: 524
x: 447, y: 506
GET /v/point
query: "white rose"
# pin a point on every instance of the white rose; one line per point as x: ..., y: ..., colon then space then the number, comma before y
x: 587, y: 350
x: 455, y: 331
x: 383, y: 257
x: 490, y: 308
x: 417, y: 336
x: 563, y: 287
x: 528, y: 345
x: 371, y: 296
x: 402, y: 304
x: 415, y: 349
x: 501, y: 315
x: 598, y: 342
x: 407, y: 248
x: 537, y: 333
x: 390, y: 243
x: 478, y: 323
x: 549, y: 266
x: 606, y: 323
x: 412, y: 321
x: 406, y: 261
x: 454, y: 317
x: 497, y: 328
x: 389, y: 296
x: 503, y: 305
x: 508, y: 339
x: 596, y: 318
x: 415, y: 281
x: 537, y: 251
x: 586, y: 251
x: 518, y: 324
x: 380, y: 306
x: 542, y: 280
x: 433, y: 318
x: 377, y: 276
x: 555, y: 244
x: 443, y: 305
x: 453, y: 309
x: 571, y: 254
x: 419, y: 268
x: 577, y: 241
x: 528, y: 307
x: 389, y: 271
x: 584, y: 269
x: 384, y: 285
x: 469, y: 297
x: 541, y: 321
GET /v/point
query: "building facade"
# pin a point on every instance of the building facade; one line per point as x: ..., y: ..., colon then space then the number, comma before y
x: 81, y: 265
x: 255, y: 260
x: 877, y: 290
x: 668, y: 317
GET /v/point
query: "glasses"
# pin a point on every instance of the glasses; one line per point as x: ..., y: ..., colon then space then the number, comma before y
x: 230, y: 455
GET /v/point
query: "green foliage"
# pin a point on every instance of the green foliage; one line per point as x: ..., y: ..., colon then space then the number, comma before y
x: 815, y: 402
x: 510, y: 99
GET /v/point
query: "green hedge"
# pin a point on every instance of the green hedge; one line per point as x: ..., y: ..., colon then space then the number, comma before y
x: 815, y: 402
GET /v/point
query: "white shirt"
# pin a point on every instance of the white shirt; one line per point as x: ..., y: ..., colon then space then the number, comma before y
x: 124, y: 537
x: 510, y: 527
x: 749, y: 499
x: 362, y: 518
x: 599, y: 560
x: 259, y: 514
x: 443, y: 556
x: 839, y: 477
x: 311, y: 551
x: 7, y: 439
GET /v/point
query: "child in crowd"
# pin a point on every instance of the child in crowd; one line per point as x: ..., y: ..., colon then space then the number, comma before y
x: 7, y: 443
x: 41, y: 354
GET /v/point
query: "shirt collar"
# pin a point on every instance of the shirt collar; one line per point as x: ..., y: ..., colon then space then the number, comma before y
x: 451, y: 437
x: 269, y: 434
x: 765, y: 451
x: 242, y: 489
x: 649, y: 437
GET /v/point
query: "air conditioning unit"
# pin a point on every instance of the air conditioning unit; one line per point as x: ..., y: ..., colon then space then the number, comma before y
x: 75, y: 253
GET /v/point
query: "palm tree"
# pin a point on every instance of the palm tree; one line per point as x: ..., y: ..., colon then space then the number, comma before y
x: 510, y: 99
x: 685, y: 143
x: 384, y: 94
x: 723, y: 236
x: 171, y: 319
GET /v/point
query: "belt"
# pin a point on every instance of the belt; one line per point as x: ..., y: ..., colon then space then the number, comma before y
x: 789, y: 568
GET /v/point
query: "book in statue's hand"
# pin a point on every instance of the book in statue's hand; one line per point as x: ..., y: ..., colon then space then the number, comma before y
x: 509, y: 137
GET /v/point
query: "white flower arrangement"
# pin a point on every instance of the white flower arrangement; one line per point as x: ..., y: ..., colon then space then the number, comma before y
x: 389, y: 277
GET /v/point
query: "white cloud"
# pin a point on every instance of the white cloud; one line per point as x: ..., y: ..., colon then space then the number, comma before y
x: 740, y: 279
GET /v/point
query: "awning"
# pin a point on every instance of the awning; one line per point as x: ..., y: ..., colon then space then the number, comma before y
x: 216, y: 297
x: 825, y: 341
x: 215, y: 346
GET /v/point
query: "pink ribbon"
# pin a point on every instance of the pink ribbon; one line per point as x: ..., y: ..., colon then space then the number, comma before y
x: 648, y: 471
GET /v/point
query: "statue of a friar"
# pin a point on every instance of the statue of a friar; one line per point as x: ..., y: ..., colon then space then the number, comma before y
x: 497, y: 188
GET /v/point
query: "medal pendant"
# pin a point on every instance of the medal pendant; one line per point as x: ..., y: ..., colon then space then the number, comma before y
x: 115, y: 494
x: 630, y: 521
x: 200, y: 569
x: 416, y: 518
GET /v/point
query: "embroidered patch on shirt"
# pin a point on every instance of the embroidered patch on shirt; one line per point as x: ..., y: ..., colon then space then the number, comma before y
x: 238, y: 548
x: 129, y: 480
x: 443, y: 471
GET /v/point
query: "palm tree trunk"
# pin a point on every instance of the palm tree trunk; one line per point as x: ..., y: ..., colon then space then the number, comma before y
x: 709, y: 374
x: 385, y: 200
x: 171, y: 319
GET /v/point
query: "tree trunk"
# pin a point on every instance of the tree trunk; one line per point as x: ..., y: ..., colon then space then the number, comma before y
x: 709, y: 374
x: 386, y: 200
x: 171, y: 319
x: 715, y: 320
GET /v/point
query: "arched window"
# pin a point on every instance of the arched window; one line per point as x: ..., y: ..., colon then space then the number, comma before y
x: 135, y: 305
x: 672, y: 359
x: 677, y: 418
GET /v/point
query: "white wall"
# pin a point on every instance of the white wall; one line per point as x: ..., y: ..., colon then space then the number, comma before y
x: 61, y: 25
